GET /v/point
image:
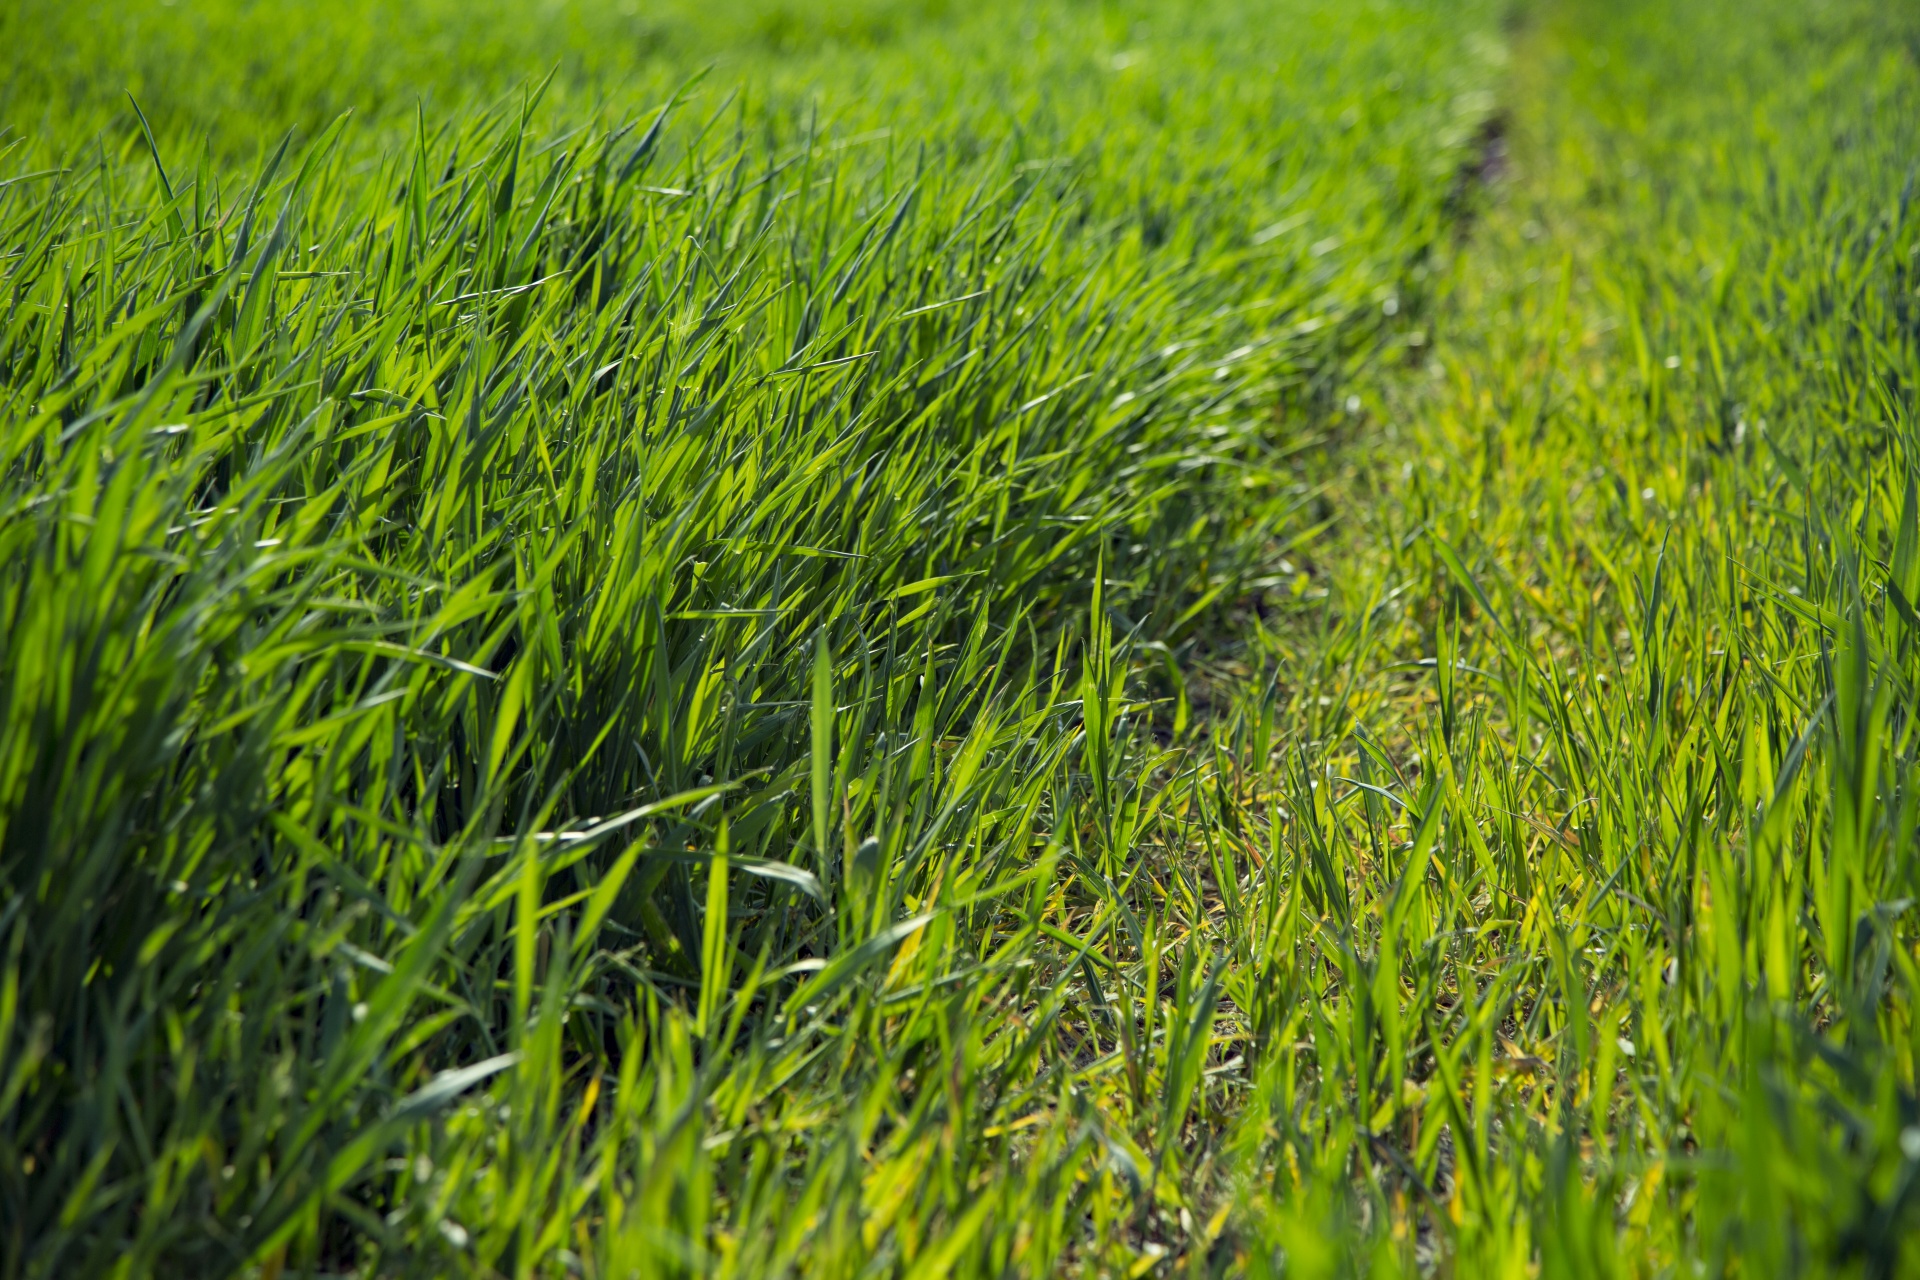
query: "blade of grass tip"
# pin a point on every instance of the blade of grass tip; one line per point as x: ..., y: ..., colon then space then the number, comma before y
x: 822, y: 750
x: 319, y: 153
x: 526, y: 936
x: 417, y: 197
x: 507, y: 719
x: 715, y: 972
x: 643, y: 150
x: 603, y: 897
x: 1458, y: 568
x: 174, y: 222
x: 250, y: 208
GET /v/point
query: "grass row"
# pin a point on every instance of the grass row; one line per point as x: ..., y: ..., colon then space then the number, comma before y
x: 1626, y: 772
x: 570, y: 664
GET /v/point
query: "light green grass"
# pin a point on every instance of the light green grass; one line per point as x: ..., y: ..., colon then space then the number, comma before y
x: 1651, y: 519
x: 1002, y: 639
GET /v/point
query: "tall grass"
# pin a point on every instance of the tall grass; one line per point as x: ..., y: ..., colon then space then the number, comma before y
x: 570, y: 668
x: 1019, y: 639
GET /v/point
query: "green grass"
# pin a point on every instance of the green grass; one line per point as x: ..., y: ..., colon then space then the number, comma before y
x: 914, y: 639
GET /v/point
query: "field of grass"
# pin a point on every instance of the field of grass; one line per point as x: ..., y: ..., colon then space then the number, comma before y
x: 897, y: 638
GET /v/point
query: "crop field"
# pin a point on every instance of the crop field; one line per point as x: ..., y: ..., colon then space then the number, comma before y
x: 895, y: 638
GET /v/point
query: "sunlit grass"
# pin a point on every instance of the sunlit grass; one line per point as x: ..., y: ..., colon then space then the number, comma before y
x: 922, y: 639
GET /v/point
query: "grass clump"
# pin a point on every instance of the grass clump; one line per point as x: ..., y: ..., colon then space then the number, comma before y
x: 1008, y: 640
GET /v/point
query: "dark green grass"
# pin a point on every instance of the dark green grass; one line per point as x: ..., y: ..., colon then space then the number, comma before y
x: 905, y: 640
x: 634, y: 600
